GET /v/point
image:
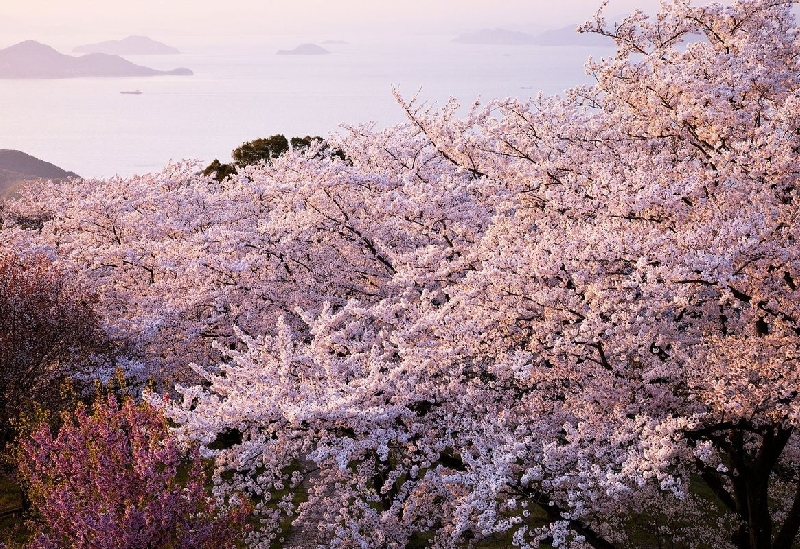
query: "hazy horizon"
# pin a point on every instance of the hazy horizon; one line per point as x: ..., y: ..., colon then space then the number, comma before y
x: 68, y: 23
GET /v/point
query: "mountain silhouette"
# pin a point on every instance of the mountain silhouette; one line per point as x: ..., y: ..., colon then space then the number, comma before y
x: 132, y: 45
x: 32, y: 59
x: 17, y: 166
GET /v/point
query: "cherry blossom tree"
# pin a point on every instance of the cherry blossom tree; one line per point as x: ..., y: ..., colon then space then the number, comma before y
x: 626, y: 322
x: 177, y: 259
x: 112, y: 480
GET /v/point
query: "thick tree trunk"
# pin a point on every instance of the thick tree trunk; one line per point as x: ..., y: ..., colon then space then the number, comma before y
x: 751, y: 477
x: 759, y: 520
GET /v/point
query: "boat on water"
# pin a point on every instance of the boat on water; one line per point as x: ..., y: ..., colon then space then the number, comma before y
x: 132, y: 92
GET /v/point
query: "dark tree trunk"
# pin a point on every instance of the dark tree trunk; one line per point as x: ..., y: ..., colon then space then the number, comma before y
x: 751, y: 477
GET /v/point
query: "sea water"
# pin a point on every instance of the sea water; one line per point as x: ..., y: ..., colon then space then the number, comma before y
x: 243, y: 92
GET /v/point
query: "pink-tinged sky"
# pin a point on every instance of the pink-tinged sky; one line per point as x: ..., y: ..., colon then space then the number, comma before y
x: 229, y: 19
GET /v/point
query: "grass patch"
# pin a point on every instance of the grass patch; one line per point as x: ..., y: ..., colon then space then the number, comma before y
x: 13, y: 530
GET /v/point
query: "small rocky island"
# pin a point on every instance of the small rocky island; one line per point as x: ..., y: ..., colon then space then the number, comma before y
x: 132, y: 45
x: 305, y: 49
x: 32, y: 59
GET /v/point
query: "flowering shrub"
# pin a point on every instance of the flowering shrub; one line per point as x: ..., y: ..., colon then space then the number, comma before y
x: 113, y: 479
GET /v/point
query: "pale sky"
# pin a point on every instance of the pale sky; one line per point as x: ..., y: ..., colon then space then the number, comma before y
x: 228, y: 20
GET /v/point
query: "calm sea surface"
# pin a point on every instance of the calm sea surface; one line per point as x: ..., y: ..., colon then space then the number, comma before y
x: 241, y: 93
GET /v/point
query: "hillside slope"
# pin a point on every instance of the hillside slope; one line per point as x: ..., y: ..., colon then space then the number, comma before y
x: 17, y: 166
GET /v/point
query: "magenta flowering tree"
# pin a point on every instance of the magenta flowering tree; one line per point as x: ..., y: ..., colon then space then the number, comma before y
x: 112, y: 479
x: 49, y: 336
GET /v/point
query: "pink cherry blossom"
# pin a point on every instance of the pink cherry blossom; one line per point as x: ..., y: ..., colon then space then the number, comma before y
x: 112, y: 480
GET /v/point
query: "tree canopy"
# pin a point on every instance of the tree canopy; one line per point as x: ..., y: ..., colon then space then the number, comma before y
x: 266, y: 149
x: 49, y: 336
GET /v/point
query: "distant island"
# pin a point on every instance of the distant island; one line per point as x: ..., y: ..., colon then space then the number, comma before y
x: 32, y: 59
x: 305, y: 49
x: 132, y: 45
x: 17, y: 166
x: 565, y: 36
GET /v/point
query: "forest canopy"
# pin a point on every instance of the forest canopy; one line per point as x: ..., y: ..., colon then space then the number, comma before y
x: 265, y: 149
